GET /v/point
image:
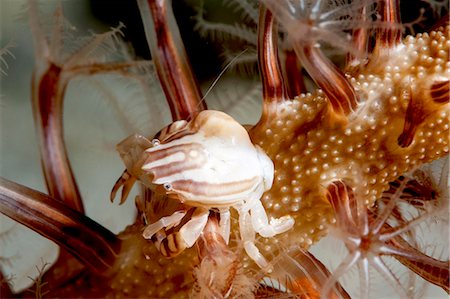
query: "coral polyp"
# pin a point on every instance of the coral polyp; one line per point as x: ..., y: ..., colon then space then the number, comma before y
x: 345, y: 158
x: 369, y: 238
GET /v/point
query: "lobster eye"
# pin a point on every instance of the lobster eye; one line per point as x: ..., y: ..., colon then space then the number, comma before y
x: 167, y: 186
x: 156, y: 142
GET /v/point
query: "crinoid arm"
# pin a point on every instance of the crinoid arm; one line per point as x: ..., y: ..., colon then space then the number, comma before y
x: 180, y: 87
x: 427, y: 267
x: 274, y: 88
x: 91, y: 243
x: 312, y: 22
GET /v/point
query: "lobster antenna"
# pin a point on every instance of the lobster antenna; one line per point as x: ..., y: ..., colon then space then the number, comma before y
x: 221, y: 74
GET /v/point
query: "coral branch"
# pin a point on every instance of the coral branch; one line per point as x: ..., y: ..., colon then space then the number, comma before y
x: 293, y: 73
x: 174, y: 71
x: 91, y: 243
x: 48, y: 88
x: 430, y: 269
x: 269, y: 64
x: 338, y: 89
x: 47, y: 100
x: 305, y: 31
x: 360, y: 40
x: 389, y: 36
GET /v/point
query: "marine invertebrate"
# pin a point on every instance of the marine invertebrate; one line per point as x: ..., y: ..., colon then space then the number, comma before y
x: 314, y: 140
x: 207, y: 163
x: 369, y: 238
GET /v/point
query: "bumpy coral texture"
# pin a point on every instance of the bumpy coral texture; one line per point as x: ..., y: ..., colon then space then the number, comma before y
x: 311, y: 147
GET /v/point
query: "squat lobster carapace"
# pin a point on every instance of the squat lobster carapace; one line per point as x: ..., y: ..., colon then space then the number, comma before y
x: 207, y: 163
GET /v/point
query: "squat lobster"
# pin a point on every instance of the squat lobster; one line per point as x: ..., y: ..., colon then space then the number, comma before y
x: 206, y: 163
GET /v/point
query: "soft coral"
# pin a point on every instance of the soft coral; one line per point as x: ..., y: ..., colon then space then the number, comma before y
x: 369, y: 237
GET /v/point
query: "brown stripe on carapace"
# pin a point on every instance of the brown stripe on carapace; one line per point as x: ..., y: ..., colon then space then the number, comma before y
x: 214, y: 190
x: 172, y: 168
x: 439, y: 92
x: 163, y: 152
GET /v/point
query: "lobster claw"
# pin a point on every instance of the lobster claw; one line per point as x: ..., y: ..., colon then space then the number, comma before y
x: 126, y: 181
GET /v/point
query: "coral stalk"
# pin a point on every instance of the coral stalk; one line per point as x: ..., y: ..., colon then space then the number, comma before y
x: 430, y: 269
x: 306, y: 25
x: 269, y: 65
x: 48, y: 88
x: 390, y: 36
x: 48, y: 97
x: 293, y: 73
x: 177, y: 80
x: 330, y: 79
x: 88, y: 241
x: 360, y: 40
